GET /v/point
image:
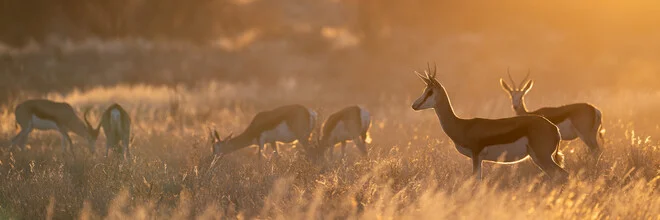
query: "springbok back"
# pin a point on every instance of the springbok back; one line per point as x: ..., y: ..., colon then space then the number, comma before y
x: 579, y: 120
x: 42, y: 114
x: 349, y: 124
x: 285, y: 124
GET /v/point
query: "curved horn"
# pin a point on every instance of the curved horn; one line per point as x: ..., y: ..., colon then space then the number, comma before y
x: 513, y: 82
x: 430, y: 73
x: 215, y: 133
x: 529, y: 71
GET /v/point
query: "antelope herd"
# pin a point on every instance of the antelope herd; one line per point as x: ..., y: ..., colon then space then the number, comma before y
x: 529, y: 134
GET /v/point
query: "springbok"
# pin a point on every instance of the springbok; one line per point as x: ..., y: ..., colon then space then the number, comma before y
x: 574, y: 120
x: 351, y: 123
x: 44, y: 115
x: 284, y: 124
x: 116, y: 124
x: 505, y: 140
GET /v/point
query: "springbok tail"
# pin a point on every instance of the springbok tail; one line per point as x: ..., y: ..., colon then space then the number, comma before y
x: 313, y: 118
x: 365, y: 118
x: 598, y: 125
x: 367, y: 137
x: 115, y: 116
x: 558, y: 157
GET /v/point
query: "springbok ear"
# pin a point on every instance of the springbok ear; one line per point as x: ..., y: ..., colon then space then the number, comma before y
x: 528, y: 86
x: 228, y: 137
x: 211, y: 137
x: 422, y: 77
x: 505, y: 86
x: 215, y: 134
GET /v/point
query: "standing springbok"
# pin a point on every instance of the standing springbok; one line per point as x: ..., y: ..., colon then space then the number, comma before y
x: 44, y: 115
x: 351, y: 123
x: 285, y: 124
x: 506, y: 140
x: 574, y: 120
x: 116, y: 124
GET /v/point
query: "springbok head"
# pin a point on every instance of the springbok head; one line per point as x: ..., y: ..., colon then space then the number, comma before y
x: 316, y: 149
x: 432, y: 92
x: 218, y: 145
x: 517, y: 93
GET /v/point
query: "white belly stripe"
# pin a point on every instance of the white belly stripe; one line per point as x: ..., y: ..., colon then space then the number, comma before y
x: 567, y: 130
x: 281, y: 133
x: 340, y: 133
x: 501, y: 153
x: 43, y: 124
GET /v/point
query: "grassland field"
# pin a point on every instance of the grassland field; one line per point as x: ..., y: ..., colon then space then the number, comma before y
x: 412, y: 170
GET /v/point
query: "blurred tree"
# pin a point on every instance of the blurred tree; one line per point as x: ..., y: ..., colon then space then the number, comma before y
x: 23, y: 20
x: 193, y: 20
x: 370, y: 23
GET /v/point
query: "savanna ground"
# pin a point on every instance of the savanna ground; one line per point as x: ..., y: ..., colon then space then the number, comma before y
x: 412, y: 170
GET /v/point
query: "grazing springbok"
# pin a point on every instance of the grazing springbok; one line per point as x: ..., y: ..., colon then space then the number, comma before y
x: 506, y: 140
x: 285, y: 124
x: 116, y: 124
x: 574, y: 120
x: 351, y: 123
x: 44, y: 115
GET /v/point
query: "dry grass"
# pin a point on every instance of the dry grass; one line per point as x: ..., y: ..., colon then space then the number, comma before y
x: 412, y: 170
